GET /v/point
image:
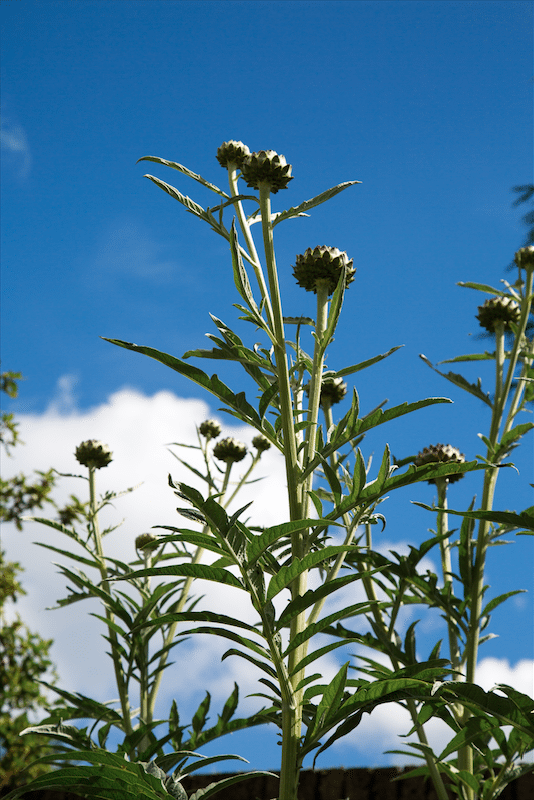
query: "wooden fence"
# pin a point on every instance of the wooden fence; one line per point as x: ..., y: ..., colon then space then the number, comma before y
x: 332, y: 784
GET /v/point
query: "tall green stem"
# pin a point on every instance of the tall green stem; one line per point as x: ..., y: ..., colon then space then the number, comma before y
x: 245, y: 228
x: 446, y: 569
x: 117, y: 665
x: 291, y: 705
x: 282, y: 370
x: 369, y: 587
x: 184, y: 594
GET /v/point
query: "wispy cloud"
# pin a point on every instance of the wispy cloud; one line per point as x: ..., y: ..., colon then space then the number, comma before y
x: 127, y: 248
x: 15, y: 147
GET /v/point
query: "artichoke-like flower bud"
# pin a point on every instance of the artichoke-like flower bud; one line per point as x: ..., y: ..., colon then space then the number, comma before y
x: 498, y: 309
x: 210, y: 429
x: 266, y: 166
x: 441, y: 453
x: 230, y: 450
x: 261, y: 443
x: 146, y: 542
x: 333, y: 390
x: 232, y: 152
x: 93, y: 454
x: 525, y: 257
x: 322, y: 264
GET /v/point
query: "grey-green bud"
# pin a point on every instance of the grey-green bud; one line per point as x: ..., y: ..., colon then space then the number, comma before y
x: 93, y: 453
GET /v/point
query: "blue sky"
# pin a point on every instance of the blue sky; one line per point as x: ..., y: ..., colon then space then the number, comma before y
x: 428, y: 103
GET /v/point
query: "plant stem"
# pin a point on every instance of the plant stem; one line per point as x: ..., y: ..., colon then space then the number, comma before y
x: 115, y: 655
x: 184, y: 594
x: 282, y: 371
x: 434, y: 772
x: 245, y: 227
x: 292, y: 706
x: 446, y: 569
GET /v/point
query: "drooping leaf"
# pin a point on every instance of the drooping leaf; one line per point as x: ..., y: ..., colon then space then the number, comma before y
x: 459, y: 380
x: 523, y: 520
x: 237, y: 402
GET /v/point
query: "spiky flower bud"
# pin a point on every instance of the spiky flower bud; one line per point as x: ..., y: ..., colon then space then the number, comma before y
x: 266, y: 166
x: 441, y: 453
x: 525, y: 257
x: 146, y: 542
x: 93, y: 454
x: 261, y: 443
x: 232, y: 152
x: 210, y: 429
x: 230, y: 450
x: 333, y: 390
x: 498, y: 309
x: 322, y: 264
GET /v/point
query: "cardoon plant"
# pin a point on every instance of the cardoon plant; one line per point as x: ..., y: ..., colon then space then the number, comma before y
x: 335, y: 498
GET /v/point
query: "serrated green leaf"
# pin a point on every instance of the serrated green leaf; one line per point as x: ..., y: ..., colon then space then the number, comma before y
x: 315, y: 201
x: 312, y: 596
x: 482, y: 287
x: 341, y: 373
x: 237, y: 402
x: 258, y: 544
x: 221, y: 786
x: 459, y: 380
x: 522, y: 520
x: 328, y: 704
x: 199, y: 571
x: 287, y: 574
x: 185, y: 171
x: 498, y: 600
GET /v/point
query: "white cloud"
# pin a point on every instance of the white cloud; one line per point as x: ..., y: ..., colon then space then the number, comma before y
x: 138, y: 428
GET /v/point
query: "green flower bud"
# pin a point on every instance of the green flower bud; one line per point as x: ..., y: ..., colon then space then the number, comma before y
x: 147, y: 542
x: 441, y: 453
x: 333, y: 390
x: 230, y: 450
x: 525, y: 257
x: 261, y: 443
x: 322, y: 264
x: 498, y: 309
x: 232, y: 152
x: 210, y: 429
x: 93, y: 454
x: 266, y: 166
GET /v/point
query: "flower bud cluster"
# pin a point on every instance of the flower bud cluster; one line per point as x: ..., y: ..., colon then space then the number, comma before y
x: 525, y: 257
x: 322, y: 264
x: 93, y: 454
x: 441, y: 453
x: 232, y: 152
x: 333, y: 390
x: 146, y: 542
x: 498, y: 309
x: 230, y: 450
x: 266, y: 166
x: 210, y: 429
x: 261, y: 443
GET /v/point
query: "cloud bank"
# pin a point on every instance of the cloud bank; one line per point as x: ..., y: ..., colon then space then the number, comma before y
x: 138, y: 429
